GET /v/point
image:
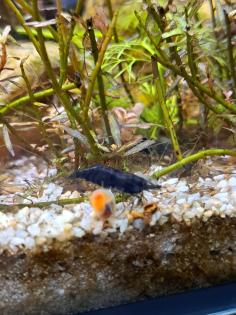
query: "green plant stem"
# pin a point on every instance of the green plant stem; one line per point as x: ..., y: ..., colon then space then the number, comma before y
x: 120, y: 66
x: 80, y: 7
x: 190, y: 53
x: 67, y: 50
x: 22, y: 22
x: 43, y: 52
x: 100, y: 82
x: 163, y: 59
x: 39, y: 45
x: 65, y: 42
x: 37, y: 96
x: 173, y: 54
x: 213, y: 19
x: 59, y: 6
x: 43, y: 204
x: 98, y: 67
x: 193, y: 158
x: 152, y: 38
x: 194, y: 73
x: 111, y: 13
x: 217, y: 46
x: 69, y: 47
x: 25, y: 6
x: 216, y: 109
x: 180, y: 69
x: 25, y: 78
x: 72, y: 115
x: 47, y: 64
x: 61, y: 29
x: 152, y: 11
x: 60, y: 202
x: 212, y: 94
x: 161, y: 98
x: 230, y: 50
x: 36, y: 111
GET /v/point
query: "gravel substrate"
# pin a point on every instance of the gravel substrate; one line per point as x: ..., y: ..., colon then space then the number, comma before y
x: 94, y: 271
x: 32, y: 228
x: 62, y: 259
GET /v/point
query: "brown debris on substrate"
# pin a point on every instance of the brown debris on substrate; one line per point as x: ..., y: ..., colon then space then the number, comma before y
x: 96, y: 271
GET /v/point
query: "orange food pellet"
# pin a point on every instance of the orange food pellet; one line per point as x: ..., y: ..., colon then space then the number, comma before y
x: 103, y: 202
x: 98, y: 200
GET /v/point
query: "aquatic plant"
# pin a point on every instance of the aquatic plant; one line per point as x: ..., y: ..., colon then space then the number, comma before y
x: 154, y: 55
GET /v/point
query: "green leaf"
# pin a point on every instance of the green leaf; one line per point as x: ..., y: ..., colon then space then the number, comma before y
x: 174, y: 32
x: 153, y: 115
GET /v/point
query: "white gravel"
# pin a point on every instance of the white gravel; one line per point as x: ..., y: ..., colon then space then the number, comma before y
x: 33, y: 228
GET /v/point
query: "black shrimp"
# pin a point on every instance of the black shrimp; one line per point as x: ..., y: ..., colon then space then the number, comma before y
x: 109, y: 177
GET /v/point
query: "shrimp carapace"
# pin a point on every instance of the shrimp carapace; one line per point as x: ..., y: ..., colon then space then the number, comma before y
x: 109, y: 177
